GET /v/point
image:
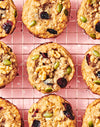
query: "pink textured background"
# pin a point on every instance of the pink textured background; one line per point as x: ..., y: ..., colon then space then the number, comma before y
x: 74, y: 40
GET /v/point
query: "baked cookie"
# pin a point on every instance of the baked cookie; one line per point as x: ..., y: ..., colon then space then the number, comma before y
x: 51, y: 111
x: 8, y: 14
x: 9, y: 114
x: 89, y: 17
x: 8, y: 65
x: 91, y: 69
x: 46, y: 18
x: 92, y: 115
x: 50, y: 67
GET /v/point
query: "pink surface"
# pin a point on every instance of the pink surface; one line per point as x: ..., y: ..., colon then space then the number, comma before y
x: 74, y: 40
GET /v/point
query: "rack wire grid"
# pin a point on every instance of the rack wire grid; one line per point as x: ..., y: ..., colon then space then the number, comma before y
x: 73, y: 38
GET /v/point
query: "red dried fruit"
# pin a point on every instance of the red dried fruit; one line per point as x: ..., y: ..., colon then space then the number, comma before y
x: 62, y: 82
x: 44, y: 15
x: 45, y: 55
x: 52, y: 31
x: 68, y: 111
x: 88, y: 59
x: 34, y: 115
x: 7, y: 26
x: 36, y: 123
x: 97, y: 27
x: 1, y: 108
x: 69, y: 115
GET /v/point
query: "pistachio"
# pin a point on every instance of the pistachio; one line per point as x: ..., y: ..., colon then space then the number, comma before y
x: 59, y: 8
x: 48, y: 90
x: 33, y: 23
x: 66, y: 12
x: 56, y: 65
x: 93, y: 36
x: 90, y: 123
x: 96, y: 53
x: 35, y: 57
x: 83, y: 19
x: 47, y: 115
x: 7, y: 62
x: 97, y: 82
x: 69, y: 70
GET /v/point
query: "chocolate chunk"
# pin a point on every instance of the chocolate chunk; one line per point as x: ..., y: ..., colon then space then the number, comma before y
x: 97, y: 27
x: 7, y: 26
x: 44, y: 15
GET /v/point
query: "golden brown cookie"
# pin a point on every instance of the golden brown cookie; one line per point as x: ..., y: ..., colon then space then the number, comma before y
x: 8, y: 65
x: 51, y: 111
x: 88, y: 17
x: 9, y: 114
x: 50, y: 67
x: 8, y: 14
x: 46, y: 18
x: 91, y: 69
x: 92, y: 115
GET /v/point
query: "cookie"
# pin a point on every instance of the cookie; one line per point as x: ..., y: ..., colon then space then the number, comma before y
x: 8, y: 14
x: 51, y: 111
x: 50, y: 67
x: 9, y: 114
x: 8, y: 65
x: 46, y: 19
x: 92, y: 115
x: 91, y: 69
x: 88, y: 17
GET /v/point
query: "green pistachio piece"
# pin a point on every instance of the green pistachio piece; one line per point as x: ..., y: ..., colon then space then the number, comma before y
x: 97, y: 82
x: 48, y: 90
x: 35, y: 57
x: 15, y: 13
x: 91, y: 1
x: 69, y: 70
x: 93, y: 36
x: 56, y: 65
x: 33, y: 23
x: 90, y: 123
x: 83, y: 19
x: 47, y: 115
x: 96, y: 53
x: 7, y: 62
x: 66, y: 12
x: 59, y: 8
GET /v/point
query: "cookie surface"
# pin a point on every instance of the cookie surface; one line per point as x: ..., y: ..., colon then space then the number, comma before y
x: 91, y: 69
x: 51, y: 111
x: 50, y: 67
x: 89, y: 17
x: 92, y: 115
x: 8, y: 65
x: 8, y: 14
x: 9, y: 114
x: 46, y: 18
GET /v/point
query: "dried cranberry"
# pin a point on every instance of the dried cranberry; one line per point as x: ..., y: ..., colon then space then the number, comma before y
x: 98, y: 74
x: 36, y: 123
x: 88, y: 59
x: 68, y: 111
x: 7, y: 26
x: 62, y: 82
x: 45, y: 55
x: 97, y: 27
x: 67, y: 106
x: 69, y: 115
x: 1, y: 108
x: 44, y: 15
x: 52, y: 31
x: 1, y: 0
x: 34, y: 115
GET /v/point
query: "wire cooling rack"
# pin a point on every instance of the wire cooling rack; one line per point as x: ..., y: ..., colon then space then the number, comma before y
x: 73, y: 38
